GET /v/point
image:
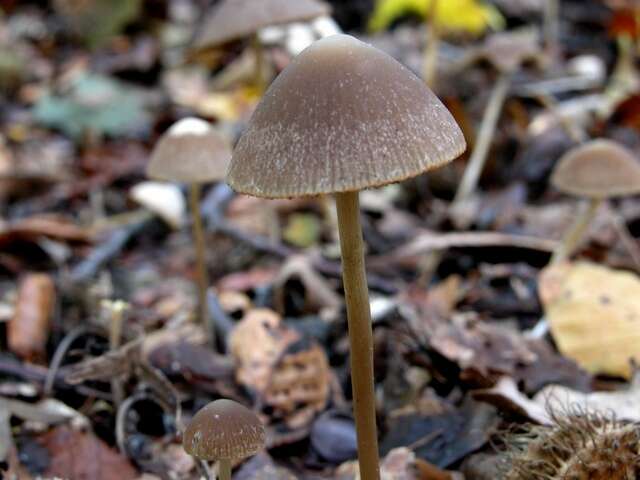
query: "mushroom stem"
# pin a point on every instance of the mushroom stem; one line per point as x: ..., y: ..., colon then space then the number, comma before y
x: 577, y: 230
x: 201, y: 264
x: 224, y: 469
x: 259, y: 54
x: 551, y: 28
x: 360, y: 332
x: 432, y: 47
x: 487, y: 128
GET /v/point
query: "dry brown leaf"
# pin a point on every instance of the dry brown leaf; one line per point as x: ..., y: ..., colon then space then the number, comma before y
x: 299, y: 386
x: 256, y: 343
x: 28, y: 330
x: 78, y: 455
x: 594, y: 315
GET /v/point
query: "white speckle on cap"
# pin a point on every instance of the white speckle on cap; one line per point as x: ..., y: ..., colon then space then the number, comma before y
x: 189, y: 126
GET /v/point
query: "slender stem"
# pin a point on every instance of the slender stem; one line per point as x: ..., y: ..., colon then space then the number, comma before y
x: 551, y: 27
x: 360, y: 334
x: 432, y: 47
x: 576, y: 232
x: 201, y: 263
x: 259, y: 65
x: 224, y: 469
x: 479, y: 156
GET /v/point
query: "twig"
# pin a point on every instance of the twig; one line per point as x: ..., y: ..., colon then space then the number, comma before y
x: 60, y: 353
x: 108, y: 249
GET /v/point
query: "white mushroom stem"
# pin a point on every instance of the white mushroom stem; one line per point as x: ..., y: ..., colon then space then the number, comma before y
x: 224, y: 469
x: 360, y: 333
x: 576, y: 232
x: 201, y: 262
x: 483, y: 142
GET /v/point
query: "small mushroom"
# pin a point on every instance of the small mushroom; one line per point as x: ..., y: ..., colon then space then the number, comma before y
x: 343, y: 117
x: 505, y: 52
x: 193, y: 152
x: 224, y: 431
x: 236, y: 19
x: 597, y: 170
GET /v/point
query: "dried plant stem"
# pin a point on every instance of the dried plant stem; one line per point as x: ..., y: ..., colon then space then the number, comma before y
x: 360, y: 333
x: 201, y: 263
x: 577, y: 230
x: 224, y: 469
x: 483, y: 142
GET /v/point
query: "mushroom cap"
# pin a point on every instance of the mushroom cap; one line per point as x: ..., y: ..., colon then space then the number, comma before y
x: 191, y: 151
x: 506, y: 51
x: 343, y: 116
x: 598, y: 169
x: 235, y: 19
x: 224, y: 429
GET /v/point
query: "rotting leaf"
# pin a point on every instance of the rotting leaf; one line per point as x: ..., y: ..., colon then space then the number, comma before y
x: 446, y: 438
x: 28, y: 330
x: 80, y: 455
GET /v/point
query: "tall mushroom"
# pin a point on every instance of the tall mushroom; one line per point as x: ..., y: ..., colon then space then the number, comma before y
x: 193, y: 152
x: 342, y: 117
x: 224, y: 431
x: 236, y: 19
x: 506, y: 52
x: 597, y: 170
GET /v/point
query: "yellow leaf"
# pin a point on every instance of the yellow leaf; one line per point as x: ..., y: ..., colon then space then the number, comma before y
x: 463, y: 16
x: 594, y: 315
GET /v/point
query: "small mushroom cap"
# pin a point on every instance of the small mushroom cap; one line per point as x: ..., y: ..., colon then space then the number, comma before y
x: 598, y: 169
x: 191, y: 151
x: 343, y: 116
x: 235, y: 19
x: 507, y: 51
x: 224, y: 429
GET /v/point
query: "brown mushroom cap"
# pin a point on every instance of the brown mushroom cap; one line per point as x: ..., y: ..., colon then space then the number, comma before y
x: 507, y: 51
x: 224, y: 430
x: 191, y: 151
x: 343, y: 116
x: 598, y: 169
x: 235, y: 19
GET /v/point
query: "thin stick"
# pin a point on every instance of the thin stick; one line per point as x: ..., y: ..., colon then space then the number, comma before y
x: 479, y: 156
x: 360, y: 334
x: 201, y: 262
x: 224, y: 469
x: 576, y: 232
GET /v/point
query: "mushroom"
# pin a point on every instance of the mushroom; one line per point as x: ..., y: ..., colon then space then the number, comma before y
x: 597, y: 170
x: 224, y: 431
x: 236, y: 19
x: 506, y: 52
x: 193, y: 152
x: 343, y: 117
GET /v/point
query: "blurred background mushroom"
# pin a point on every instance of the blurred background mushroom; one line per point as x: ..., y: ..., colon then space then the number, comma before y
x: 195, y: 153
